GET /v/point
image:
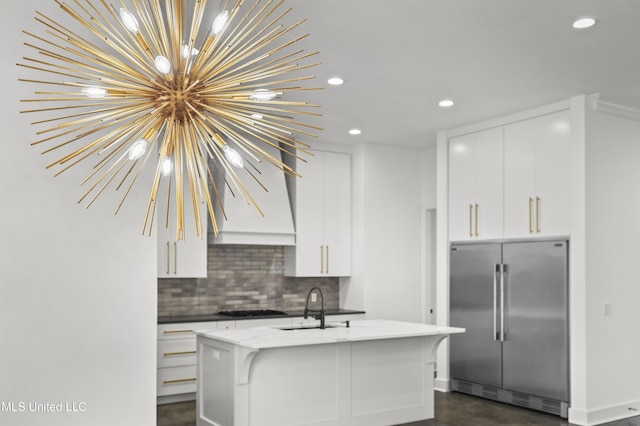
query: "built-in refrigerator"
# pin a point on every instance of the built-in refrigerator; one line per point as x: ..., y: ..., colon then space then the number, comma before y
x: 512, y: 299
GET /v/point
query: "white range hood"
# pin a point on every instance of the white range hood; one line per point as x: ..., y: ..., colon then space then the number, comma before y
x: 244, y: 224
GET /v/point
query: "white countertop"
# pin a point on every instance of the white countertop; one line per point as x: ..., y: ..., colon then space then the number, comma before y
x: 276, y: 337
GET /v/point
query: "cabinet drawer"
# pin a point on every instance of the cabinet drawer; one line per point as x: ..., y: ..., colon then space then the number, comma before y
x: 176, y: 380
x: 183, y: 330
x: 176, y: 352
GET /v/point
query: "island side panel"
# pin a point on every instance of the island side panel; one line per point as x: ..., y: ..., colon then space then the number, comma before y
x: 214, y: 400
x: 392, y: 381
x: 296, y: 385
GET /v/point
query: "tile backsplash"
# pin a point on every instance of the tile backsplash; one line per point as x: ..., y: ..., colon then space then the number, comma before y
x: 241, y: 277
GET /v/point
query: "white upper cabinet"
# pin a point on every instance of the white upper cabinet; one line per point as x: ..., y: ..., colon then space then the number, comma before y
x: 321, y: 201
x: 476, y: 186
x: 186, y: 258
x: 537, y: 167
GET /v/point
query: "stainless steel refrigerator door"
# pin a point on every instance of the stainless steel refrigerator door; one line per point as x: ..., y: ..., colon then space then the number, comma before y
x: 475, y: 354
x: 536, y: 346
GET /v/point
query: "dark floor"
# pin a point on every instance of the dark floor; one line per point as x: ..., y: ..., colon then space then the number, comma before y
x: 452, y: 409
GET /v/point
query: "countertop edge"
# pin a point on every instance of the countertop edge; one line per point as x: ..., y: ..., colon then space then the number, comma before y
x: 362, y: 330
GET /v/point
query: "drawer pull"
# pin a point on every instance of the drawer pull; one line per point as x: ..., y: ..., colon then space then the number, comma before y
x: 177, y: 331
x: 170, y: 382
x: 179, y: 353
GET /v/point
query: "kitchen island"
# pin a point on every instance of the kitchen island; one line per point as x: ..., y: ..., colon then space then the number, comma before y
x: 374, y: 372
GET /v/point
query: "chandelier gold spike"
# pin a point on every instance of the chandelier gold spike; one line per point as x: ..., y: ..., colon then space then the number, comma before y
x: 182, y: 85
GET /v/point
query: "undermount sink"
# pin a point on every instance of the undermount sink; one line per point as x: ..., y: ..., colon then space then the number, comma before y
x: 313, y: 327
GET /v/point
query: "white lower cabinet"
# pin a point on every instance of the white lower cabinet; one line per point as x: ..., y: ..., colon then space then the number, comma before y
x: 176, y: 380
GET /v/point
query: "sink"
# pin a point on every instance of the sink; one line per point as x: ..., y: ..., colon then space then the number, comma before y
x: 306, y: 327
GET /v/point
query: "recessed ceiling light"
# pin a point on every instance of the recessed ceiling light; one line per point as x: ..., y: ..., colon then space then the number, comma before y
x: 335, y: 81
x: 257, y: 116
x: 446, y: 103
x: 355, y: 131
x: 582, y: 23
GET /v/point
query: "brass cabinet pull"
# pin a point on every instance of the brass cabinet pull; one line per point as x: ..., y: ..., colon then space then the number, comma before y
x: 471, y: 220
x: 477, y: 220
x: 175, y: 257
x: 326, y: 257
x: 177, y: 331
x: 538, y: 214
x: 168, y: 257
x: 179, y: 353
x: 530, y: 215
x: 168, y: 382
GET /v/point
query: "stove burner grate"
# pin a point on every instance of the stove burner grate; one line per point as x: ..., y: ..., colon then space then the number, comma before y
x: 252, y: 313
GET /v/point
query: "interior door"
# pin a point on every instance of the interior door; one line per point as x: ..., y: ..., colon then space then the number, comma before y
x: 536, y: 346
x: 476, y: 354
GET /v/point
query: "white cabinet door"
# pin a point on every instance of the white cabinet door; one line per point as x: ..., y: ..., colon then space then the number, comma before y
x: 462, y: 183
x: 309, y: 218
x: 475, y: 186
x: 186, y: 258
x: 519, y: 183
x: 337, y: 214
x: 553, y: 174
x: 537, y: 176
x: 322, y: 205
x: 489, y: 184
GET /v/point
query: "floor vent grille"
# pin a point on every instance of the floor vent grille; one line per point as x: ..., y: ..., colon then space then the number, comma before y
x: 490, y: 392
x: 551, y: 406
x: 521, y: 399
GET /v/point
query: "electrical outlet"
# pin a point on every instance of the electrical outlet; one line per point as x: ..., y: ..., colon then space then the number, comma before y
x: 314, y: 297
x: 607, y: 309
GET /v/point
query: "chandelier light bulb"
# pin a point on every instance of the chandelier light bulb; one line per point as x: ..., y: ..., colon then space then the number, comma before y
x: 233, y: 157
x: 129, y: 21
x: 262, y: 95
x: 185, y: 51
x: 166, y: 167
x: 220, y: 22
x: 162, y: 64
x: 138, y: 149
x: 93, y: 92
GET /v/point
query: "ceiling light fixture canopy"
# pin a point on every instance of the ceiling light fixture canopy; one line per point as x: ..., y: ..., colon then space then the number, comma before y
x: 174, y: 84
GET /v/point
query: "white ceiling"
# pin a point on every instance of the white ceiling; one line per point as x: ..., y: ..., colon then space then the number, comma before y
x: 493, y: 57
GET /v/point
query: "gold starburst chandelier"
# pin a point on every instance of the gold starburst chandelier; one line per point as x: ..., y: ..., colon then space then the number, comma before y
x: 175, y: 84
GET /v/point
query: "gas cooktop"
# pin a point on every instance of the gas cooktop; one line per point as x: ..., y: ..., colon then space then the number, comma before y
x: 253, y: 313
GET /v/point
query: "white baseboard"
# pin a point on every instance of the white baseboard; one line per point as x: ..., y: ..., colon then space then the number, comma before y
x: 604, y: 415
x: 442, y: 385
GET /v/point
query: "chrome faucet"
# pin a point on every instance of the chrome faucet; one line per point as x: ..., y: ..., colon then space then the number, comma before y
x: 320, y: 313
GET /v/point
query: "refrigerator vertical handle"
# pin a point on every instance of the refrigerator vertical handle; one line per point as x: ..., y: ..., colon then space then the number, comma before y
x: 503, y: 269
x: 496, y: 271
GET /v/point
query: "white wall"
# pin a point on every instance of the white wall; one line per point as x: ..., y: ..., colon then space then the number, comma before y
x: 428, y: 179
x: 612, y: 235
x: 386, y: 232
x: 78, y: 287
